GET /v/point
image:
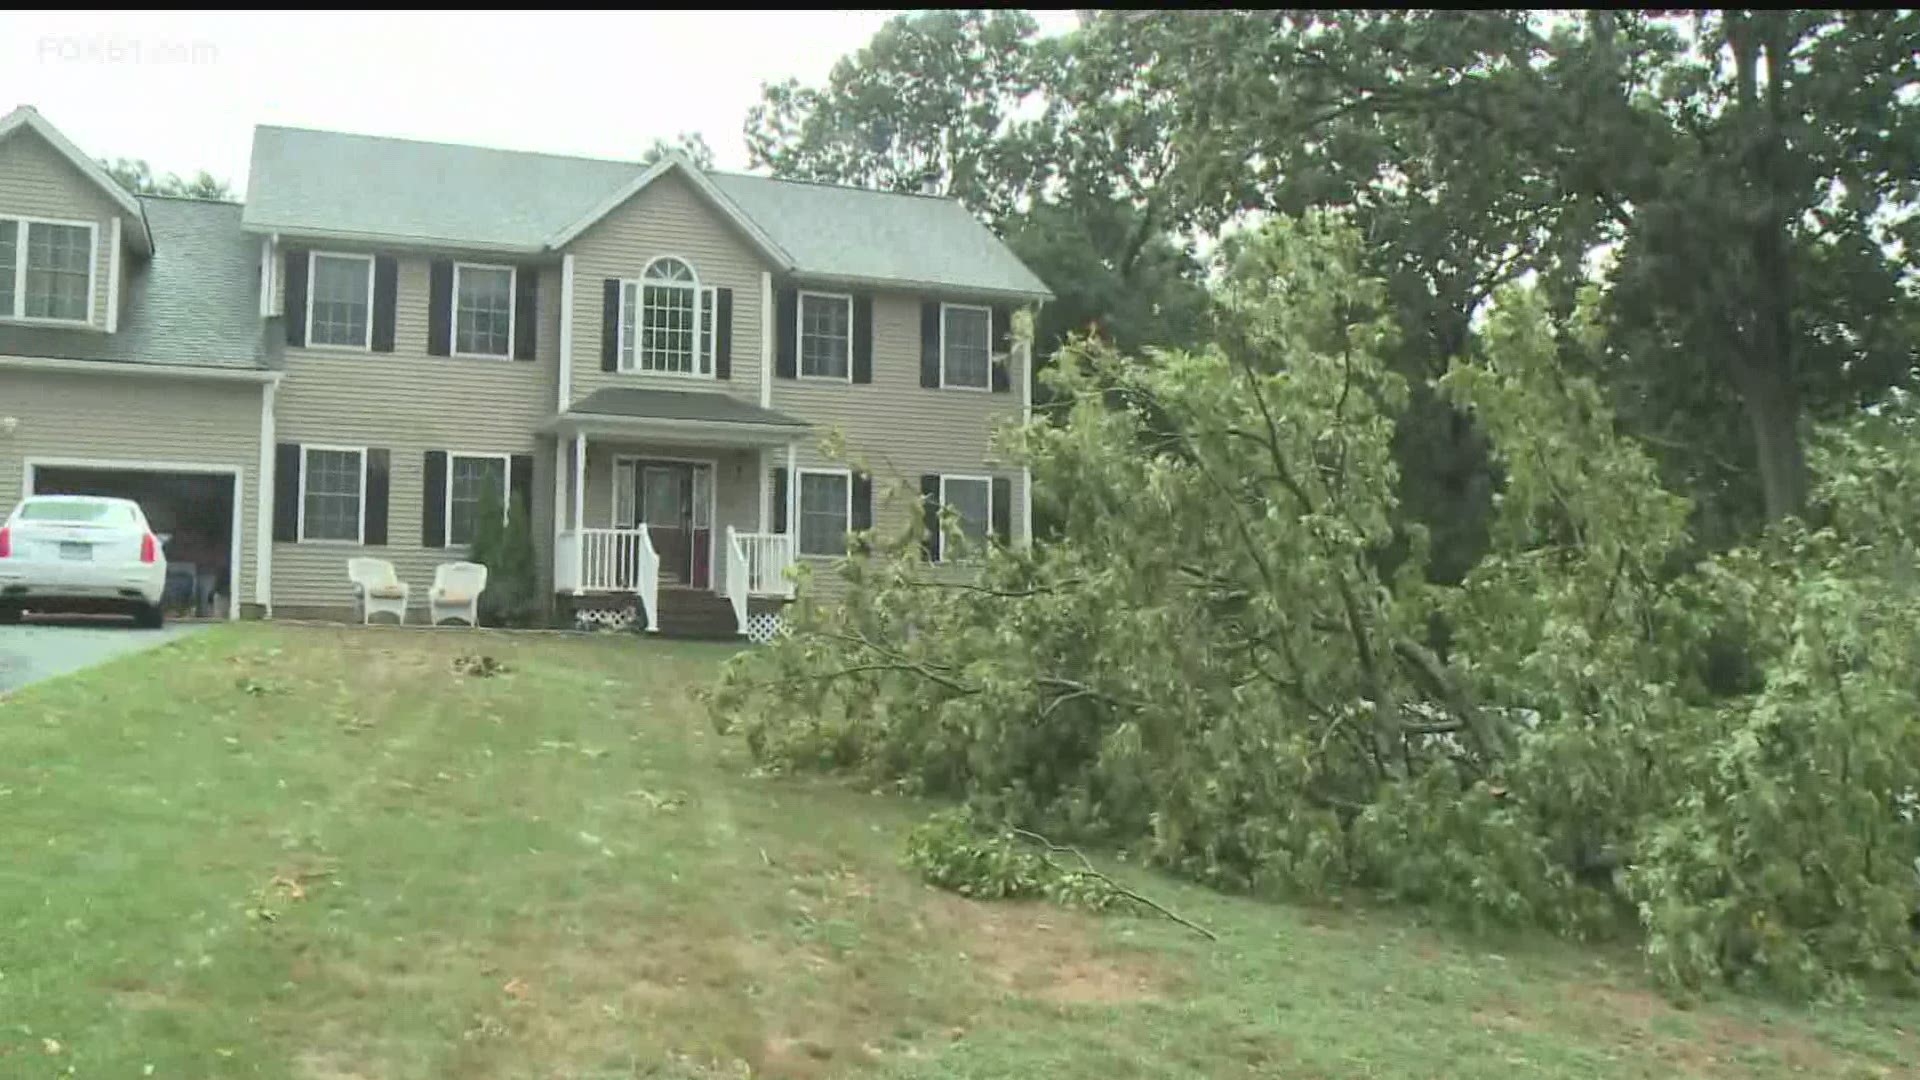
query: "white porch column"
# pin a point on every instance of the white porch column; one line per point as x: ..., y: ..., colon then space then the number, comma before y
x: 579, y: 481
x: 760, y: 468
x: 793, y: 500
x: 559, y: 503
x: 579, y: 508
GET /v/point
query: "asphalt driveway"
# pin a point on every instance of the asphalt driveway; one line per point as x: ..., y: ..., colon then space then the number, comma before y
x: 34, y: 651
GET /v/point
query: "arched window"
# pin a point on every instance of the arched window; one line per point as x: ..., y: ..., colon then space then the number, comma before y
x: 663, y: 327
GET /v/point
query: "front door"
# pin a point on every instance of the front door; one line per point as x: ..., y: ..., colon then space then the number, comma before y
x: 672, y: 500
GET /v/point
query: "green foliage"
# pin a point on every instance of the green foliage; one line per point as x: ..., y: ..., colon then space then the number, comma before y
x: 1216, y: 666
x: 505, y: 548
x: 138, y: 177
x: 954, y: 851
x: 690, y: 144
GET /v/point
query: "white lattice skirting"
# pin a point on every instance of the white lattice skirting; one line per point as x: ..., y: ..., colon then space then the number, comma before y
x: 606, y: 618
x: 764, y: 626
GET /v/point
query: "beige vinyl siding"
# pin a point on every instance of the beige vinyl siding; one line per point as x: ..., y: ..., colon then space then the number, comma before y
x: 736, y: 488
x: 136, y: 418
x: 899, y: 430
x: 668, y: 218
x: 408, y: 403
x: 38, y: 181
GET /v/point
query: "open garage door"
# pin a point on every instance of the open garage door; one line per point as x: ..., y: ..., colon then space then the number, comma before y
x: 196, y: 511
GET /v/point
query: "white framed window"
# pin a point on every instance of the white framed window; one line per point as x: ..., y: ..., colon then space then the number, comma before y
x: 826, y: 511
x: 47, y: 269
x: 333, y: 490
x: 666, y: 321
x: 469, y: 478
x: 339, y: 301
x: 971, y: 498
x: 825, y: 335
x: 483, y: 310
x: 966, y: 346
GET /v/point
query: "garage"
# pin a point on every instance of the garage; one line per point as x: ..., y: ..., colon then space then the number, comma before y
x: 193, y: 508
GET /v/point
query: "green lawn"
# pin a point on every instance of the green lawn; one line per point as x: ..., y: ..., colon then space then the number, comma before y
x: 324, y: 854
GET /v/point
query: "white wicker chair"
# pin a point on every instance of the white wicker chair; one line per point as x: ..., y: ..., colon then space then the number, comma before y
x: 456, y: 592
x: 377, y: 588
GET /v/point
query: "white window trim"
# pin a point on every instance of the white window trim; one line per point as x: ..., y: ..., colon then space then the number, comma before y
x: 300, y: 531
x: 944, y: 384
x: 799, y: 336
x: 19, y: 312
x: 639, y: 297
x: 800, y: 503
x: 453, y: 312
x: 446, y: 508
x: 313, y: 258
x: 940, y: 553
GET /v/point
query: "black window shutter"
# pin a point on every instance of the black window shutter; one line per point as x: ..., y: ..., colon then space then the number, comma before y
x: 520, y: 486
x: 376, y: 496
x: 610, y: 326
x: 293, y: 304
x: 440, y: 308
x: 526, y: 311
x: 286, y: 492
x: 779, y: 477
x: 433, y: 500
x: 1002, y: 509
x: 862, y: 502
x: 1002, y: 347
x: 386, y: 292
x: 863, y: 339
x: 723, y: 333
x: 930, y: 512
x: 785, y: 325
x: 930, y: 343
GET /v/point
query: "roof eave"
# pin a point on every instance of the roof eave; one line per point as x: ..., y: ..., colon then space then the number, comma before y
x: 950, y: 288
x: 752, y: 433
x: 350, y: 236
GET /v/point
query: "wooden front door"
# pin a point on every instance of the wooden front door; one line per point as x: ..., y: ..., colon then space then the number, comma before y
x: 672, y: 500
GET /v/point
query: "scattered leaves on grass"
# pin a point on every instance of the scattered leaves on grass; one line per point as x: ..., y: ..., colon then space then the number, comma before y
x: 665, y: 804
x: 480, y: 666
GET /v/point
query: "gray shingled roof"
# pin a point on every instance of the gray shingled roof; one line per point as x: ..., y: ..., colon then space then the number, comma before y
x: 328, y: 182
x: 678, y: 405
x: 196, y: 302
x: 321, y: 183
x: 862, y: 235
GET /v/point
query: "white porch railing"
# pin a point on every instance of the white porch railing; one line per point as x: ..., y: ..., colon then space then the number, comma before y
x: 767, y: 557
x: 611, y: 560
x: 737, y: 576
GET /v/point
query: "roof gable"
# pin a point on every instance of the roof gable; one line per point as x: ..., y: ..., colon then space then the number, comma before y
x: 27, y: 118
x: 671, y: 162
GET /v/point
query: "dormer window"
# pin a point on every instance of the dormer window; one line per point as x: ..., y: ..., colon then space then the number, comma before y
x: 46, y: 269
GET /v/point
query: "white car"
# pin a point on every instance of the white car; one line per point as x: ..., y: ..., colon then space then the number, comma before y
x: 79, y: 553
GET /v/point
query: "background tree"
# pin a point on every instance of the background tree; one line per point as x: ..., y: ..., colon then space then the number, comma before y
x: 137, y: 176
x: 689, y: 143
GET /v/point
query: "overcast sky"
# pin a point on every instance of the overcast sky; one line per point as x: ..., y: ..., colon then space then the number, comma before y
x: 184, y: 91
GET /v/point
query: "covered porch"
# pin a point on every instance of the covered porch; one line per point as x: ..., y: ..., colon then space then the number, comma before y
x: 669, y: 491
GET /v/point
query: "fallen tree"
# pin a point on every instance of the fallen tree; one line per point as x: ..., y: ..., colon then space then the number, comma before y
x: 1233, y: 663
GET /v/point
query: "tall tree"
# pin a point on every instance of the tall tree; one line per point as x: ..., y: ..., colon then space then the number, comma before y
x: 1744, y: 167
x: 1027, y: 133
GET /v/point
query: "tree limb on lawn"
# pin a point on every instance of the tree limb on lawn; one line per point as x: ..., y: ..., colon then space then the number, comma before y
x: 1087, y: 865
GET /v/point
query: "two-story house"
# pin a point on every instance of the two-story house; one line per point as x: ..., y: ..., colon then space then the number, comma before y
x: 385, y: 331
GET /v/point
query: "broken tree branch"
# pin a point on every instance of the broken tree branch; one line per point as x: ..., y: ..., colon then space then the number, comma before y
x: 1087, y: 868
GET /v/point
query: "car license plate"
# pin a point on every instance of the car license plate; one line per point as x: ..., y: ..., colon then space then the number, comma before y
x: 78, y: 552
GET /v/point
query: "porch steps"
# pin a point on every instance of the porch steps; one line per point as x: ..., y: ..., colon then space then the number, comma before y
x: 696, y: 613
